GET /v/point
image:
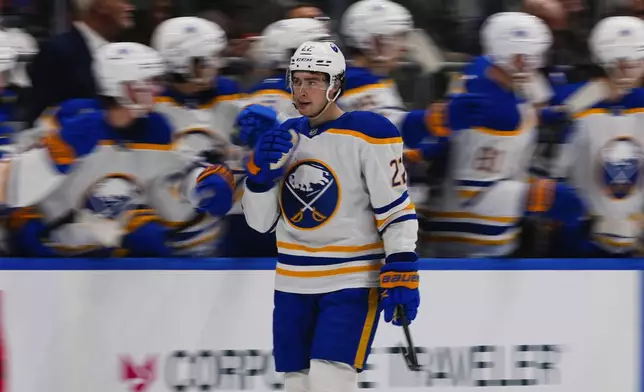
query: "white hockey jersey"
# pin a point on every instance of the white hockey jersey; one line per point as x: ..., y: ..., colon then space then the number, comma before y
x: 87, y: 167
x: 341, y: 208
x: 206, y: 122
x: 603, y: 159
x: 369, y: 92
x: 484, y: 195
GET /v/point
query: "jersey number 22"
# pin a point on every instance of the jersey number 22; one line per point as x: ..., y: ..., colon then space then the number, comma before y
x: 400, y: 176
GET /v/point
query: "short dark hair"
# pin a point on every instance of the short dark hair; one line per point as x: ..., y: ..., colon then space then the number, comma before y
x: 298, y: 5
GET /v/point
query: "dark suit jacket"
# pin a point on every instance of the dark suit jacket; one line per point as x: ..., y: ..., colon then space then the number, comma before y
x: 62, y: 70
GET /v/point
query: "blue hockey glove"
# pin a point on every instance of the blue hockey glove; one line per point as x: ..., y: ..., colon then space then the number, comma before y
x: 269, y: 149
x: 253, y: 121
x: 469, y: 110
x: 399, y: 280
x: 145, y: 234
x: 555, y: 200
x: 215, y: 190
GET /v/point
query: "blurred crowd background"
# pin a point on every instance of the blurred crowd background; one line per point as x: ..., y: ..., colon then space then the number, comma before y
x: 452, y: 24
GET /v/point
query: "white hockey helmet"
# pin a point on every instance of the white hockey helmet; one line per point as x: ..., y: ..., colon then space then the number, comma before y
x: 508, y: 34
x: 127, y: 69
x: 25, y: 47
x: 8, y: 55
x: 368, y: 20
x: 619, y: 39
x: 184, y: 40
x: 324, y: 57
x: 280, y: 40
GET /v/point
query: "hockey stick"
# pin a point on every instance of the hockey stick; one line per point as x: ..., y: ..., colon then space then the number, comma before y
x: 409, y: 352
x: 586, y: 97
x: 424, y: 52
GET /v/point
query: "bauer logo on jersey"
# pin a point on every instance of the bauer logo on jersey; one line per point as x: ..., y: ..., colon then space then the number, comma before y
x: 113, y: 195
x: 620, y: 166
x: 310, y: 195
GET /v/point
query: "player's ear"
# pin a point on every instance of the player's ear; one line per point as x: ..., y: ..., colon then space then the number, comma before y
x: 336, y: 87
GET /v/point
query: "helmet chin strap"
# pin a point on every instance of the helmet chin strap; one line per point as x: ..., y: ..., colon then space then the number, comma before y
x: 329, y: 101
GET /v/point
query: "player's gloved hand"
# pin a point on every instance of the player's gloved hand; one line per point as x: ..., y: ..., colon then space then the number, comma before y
x: 425, y: 152
x: 269, y: 149
x: 215, y: 190
x: 253, y: 121
x: 399, y: 281
x: 145, y: 234
x: 470, y: 110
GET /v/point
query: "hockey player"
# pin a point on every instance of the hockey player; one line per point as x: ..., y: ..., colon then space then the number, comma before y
x: 201, y: 105
x: 333, y: 186
x: 99, y: 183
x: 491, y: 135
x: 269, y: 103
x: 274, y: 50
x: 375, y: 33
x: 603, y: 155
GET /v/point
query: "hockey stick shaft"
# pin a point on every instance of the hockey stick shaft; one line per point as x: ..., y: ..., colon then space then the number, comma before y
x: 410, y: 352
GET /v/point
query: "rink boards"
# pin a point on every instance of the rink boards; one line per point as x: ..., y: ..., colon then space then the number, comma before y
x: 183, y: 325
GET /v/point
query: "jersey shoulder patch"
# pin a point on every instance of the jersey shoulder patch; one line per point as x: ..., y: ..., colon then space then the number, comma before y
x: 369, y: 126
x: 70, y: 109
x: 269, y: 84
x: 77, y: 137
x: 360, y: 78
x: 297, y: 123
x: 226, y: 86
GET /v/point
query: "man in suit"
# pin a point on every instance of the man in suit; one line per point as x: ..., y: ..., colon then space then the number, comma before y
x: 63, y: 68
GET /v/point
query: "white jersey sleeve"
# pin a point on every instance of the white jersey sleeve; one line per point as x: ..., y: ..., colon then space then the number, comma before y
x: 569, y: 152
x: 386, y: 181
x: 260, y: 206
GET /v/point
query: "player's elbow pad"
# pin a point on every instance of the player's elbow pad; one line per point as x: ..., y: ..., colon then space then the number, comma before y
x: 147, y: 240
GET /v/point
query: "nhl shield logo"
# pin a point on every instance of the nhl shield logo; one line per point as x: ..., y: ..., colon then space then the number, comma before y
x: 310, y: 195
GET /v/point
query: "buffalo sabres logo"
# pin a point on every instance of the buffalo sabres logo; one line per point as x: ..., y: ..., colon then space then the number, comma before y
x: 113, y: 195
x: 310, y: 195
x: 620, y: 165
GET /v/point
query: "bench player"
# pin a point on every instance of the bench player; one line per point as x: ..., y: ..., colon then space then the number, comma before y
x: 91, y: 188
x: 603, y: 153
